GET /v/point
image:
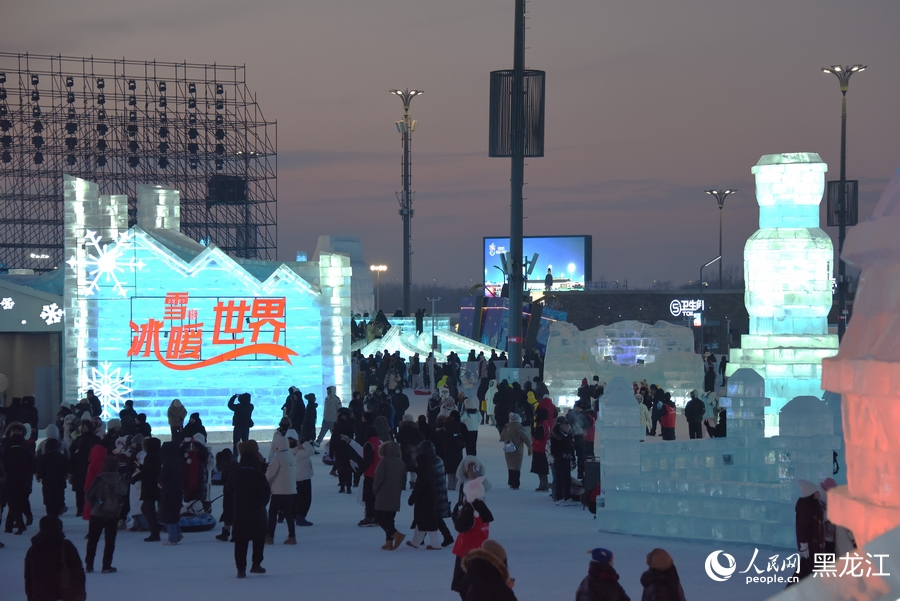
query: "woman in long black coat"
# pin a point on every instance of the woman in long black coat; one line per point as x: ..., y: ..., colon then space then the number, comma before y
x: 78, y: 456
x: 429, y: 497
x: 249, y: 491
x: 171, y: 489
x: 149, y: 477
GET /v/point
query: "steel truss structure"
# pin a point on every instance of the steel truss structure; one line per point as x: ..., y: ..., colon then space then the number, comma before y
x: 120, y: 123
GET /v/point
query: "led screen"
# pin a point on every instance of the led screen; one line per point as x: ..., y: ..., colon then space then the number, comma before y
x: 568, y: 258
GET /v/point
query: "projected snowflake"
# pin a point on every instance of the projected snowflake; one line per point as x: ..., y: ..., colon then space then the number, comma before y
x: 7, y: 303
x: 111, y: 386
x: 52, y: 314
x: 106, y: 263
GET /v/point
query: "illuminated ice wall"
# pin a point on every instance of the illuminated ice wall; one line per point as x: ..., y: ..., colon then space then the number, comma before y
x: 152, y: 315
x: 788, y: 275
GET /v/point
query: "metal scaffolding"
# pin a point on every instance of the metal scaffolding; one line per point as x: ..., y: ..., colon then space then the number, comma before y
x: 120, y: 123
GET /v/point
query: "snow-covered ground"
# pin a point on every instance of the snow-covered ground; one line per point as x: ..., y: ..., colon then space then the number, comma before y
x: 335, y: 559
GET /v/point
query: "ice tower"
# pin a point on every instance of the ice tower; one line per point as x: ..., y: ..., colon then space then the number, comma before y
x: 788, y: 274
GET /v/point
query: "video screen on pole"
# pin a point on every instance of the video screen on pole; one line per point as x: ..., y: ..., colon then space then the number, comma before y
x: 568, y: 259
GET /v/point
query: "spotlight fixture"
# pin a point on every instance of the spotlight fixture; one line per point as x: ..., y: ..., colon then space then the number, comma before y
x: 71, y: 143
x: 5, y: 124
x: 192, y: 119
x: 2, y: 77
x: 163, y: 132
x: 71, y: 114
x: 71, y: 128
x: 101, y: 161
x: 192, y: 163
x: 71, y: 160
x: 220, y: 134
x: 192, y: 133
x: 2, y: 94
x: 6, y: 157
x: 70, y: 97
x: 102, y: 129
x: 192, y: 103
x: 35, y: 95
x: 163, y: 147
x: 36, y: 111
x: 101, y: 145
x: 101, y: 98
x: 34, y: 79
x: 220, y: 104
x: 70, y: 81
x: 163, y: 118
x: 38, y: 127
x: 38, y: 158
x: 220, y: 148
x: 132, y: 85
x: 132, y: 100
x: 132, y: 130
x: 133, y: 162
x: 37, y: 141
x: 132, y: 116
x: 163, y: 102
x: 101, y: 114
x: 220, y: 120
x: 219, y: 164
x: 163, y: 162
x: 193, y: 147
x: 220, y: 89
x: 133, y: 146
x: 6, y: 141
x: 100, y: 83
x: 192, y: 88
x: 162, y: 86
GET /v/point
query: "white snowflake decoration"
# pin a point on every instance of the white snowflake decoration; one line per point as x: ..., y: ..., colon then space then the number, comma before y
x: 111, y: 387
x: 7, y: 303
x: 52, y: 314
x: 107, y: 262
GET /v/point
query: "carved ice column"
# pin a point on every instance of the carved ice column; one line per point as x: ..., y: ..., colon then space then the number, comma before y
x: 866, y: 373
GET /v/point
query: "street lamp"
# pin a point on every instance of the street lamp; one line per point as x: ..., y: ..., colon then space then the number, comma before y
x: 843, y: 74
x: 433, y: 337
x: 378, y: 269
x: 702, y: 305
x: 406, y: 127
x: 720, y: 195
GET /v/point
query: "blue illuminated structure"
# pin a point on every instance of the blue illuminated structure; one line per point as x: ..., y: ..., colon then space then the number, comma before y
x: 788, y: 266
x: 153, y: 315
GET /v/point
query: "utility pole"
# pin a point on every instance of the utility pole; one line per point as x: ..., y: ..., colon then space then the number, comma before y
x: 517, y: 181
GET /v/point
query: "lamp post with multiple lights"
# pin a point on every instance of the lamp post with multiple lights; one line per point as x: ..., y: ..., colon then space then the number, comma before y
x: 378, y: 269
x: 720, y: 196
x: 406, y: 127
x: 843, y: 74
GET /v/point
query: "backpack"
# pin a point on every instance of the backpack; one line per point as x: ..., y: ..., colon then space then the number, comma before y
x: 109, y: 503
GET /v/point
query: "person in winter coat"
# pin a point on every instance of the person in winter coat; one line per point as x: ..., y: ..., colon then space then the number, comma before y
x: 602, y: 581
x: 340, y: 449
x: 51, y: 553
x: 489, y: 401
x: 660, y: 581
x: 128, y: 418
x: 579, y: 424
x: 175, y: 415
x: 539, y: 463
x: 226, y: 466
x: 470, y: 537
x: 449, y: 444
x: 667, y: 418
x: 810, y: 526
x: 408, y: 437
x: 332, y: 404
x: 51, y: 471
x: 514, y: 434
x: 308, y: 428
x: 720, y: 429
x: 503, y: 405
x: 645, y: 414
x: 297, y: 409
x: 428, y: 498
x: 96, y: 461
x: 171, y: 490
x: 470, y: 416
x: 367, y: 464
x: 242, y: 420
x: 563, y: 453
x: 78, y: 457
x: 18, y: 463
x: 693, y: 413
x: 104, y: 497
x: 148, y: 475
x: 303, y: 451
x: 388, y: 482
x: 250, y: 491
x: 709, y: 378
x: 486, y: 575
x: 194, y: 426
x: 282, y: 478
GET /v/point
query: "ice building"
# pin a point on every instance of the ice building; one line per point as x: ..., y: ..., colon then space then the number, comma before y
x: 362, y: 290
x: 661, y: 353
x: 152, y: 315
x: 738, y: 489
x: 866, y: 373
x: 788, y: 275
x: 402, y: 337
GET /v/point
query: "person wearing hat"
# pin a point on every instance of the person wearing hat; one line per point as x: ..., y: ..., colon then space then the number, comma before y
x: 660, y: 581
x: 308, y: 428
x: 242, y: 420
x: 51, y: 553
x: 563, y: 452
x: 282, y: 477
x: 602, y: 581
x: 517, y: 441
x: 128, y: 418
x: 810, y: 526
x: 694, y: 411
x: 486, y: 574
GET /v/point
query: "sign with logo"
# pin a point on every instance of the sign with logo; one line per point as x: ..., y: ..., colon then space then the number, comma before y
x: 686, y: 307
x: 721, y: 566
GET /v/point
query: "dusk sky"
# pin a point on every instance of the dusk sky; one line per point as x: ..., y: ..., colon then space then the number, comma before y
x: 649, y: 102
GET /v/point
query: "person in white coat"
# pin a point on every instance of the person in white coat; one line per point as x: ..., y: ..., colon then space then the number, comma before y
x: 471, y: 417
x: 332, y: 404
x: 282, y: 477
x: 489, y: 402
x: 303, y: 451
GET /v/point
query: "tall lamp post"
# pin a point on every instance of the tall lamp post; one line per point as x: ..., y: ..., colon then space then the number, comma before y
x: 378, y: 269
x: 406, y: 127
x: 433, y: 300
x: 702, y: 305
x: 843, y: 74
x: 720, y: 196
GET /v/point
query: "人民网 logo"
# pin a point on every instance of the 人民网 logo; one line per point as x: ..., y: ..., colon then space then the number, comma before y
x: 717, y: 571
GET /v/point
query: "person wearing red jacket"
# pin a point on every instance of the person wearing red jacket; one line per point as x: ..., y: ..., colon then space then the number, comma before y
x: 546, y: 403
x: 667, y: 418
x: 539, y: 438
x: 96, y: 460
x: 368, y: 463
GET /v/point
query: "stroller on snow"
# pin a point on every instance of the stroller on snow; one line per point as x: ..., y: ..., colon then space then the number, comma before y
x: 196, y: 515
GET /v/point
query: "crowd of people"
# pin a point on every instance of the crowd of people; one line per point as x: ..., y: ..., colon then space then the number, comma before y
x: 125, y: 478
